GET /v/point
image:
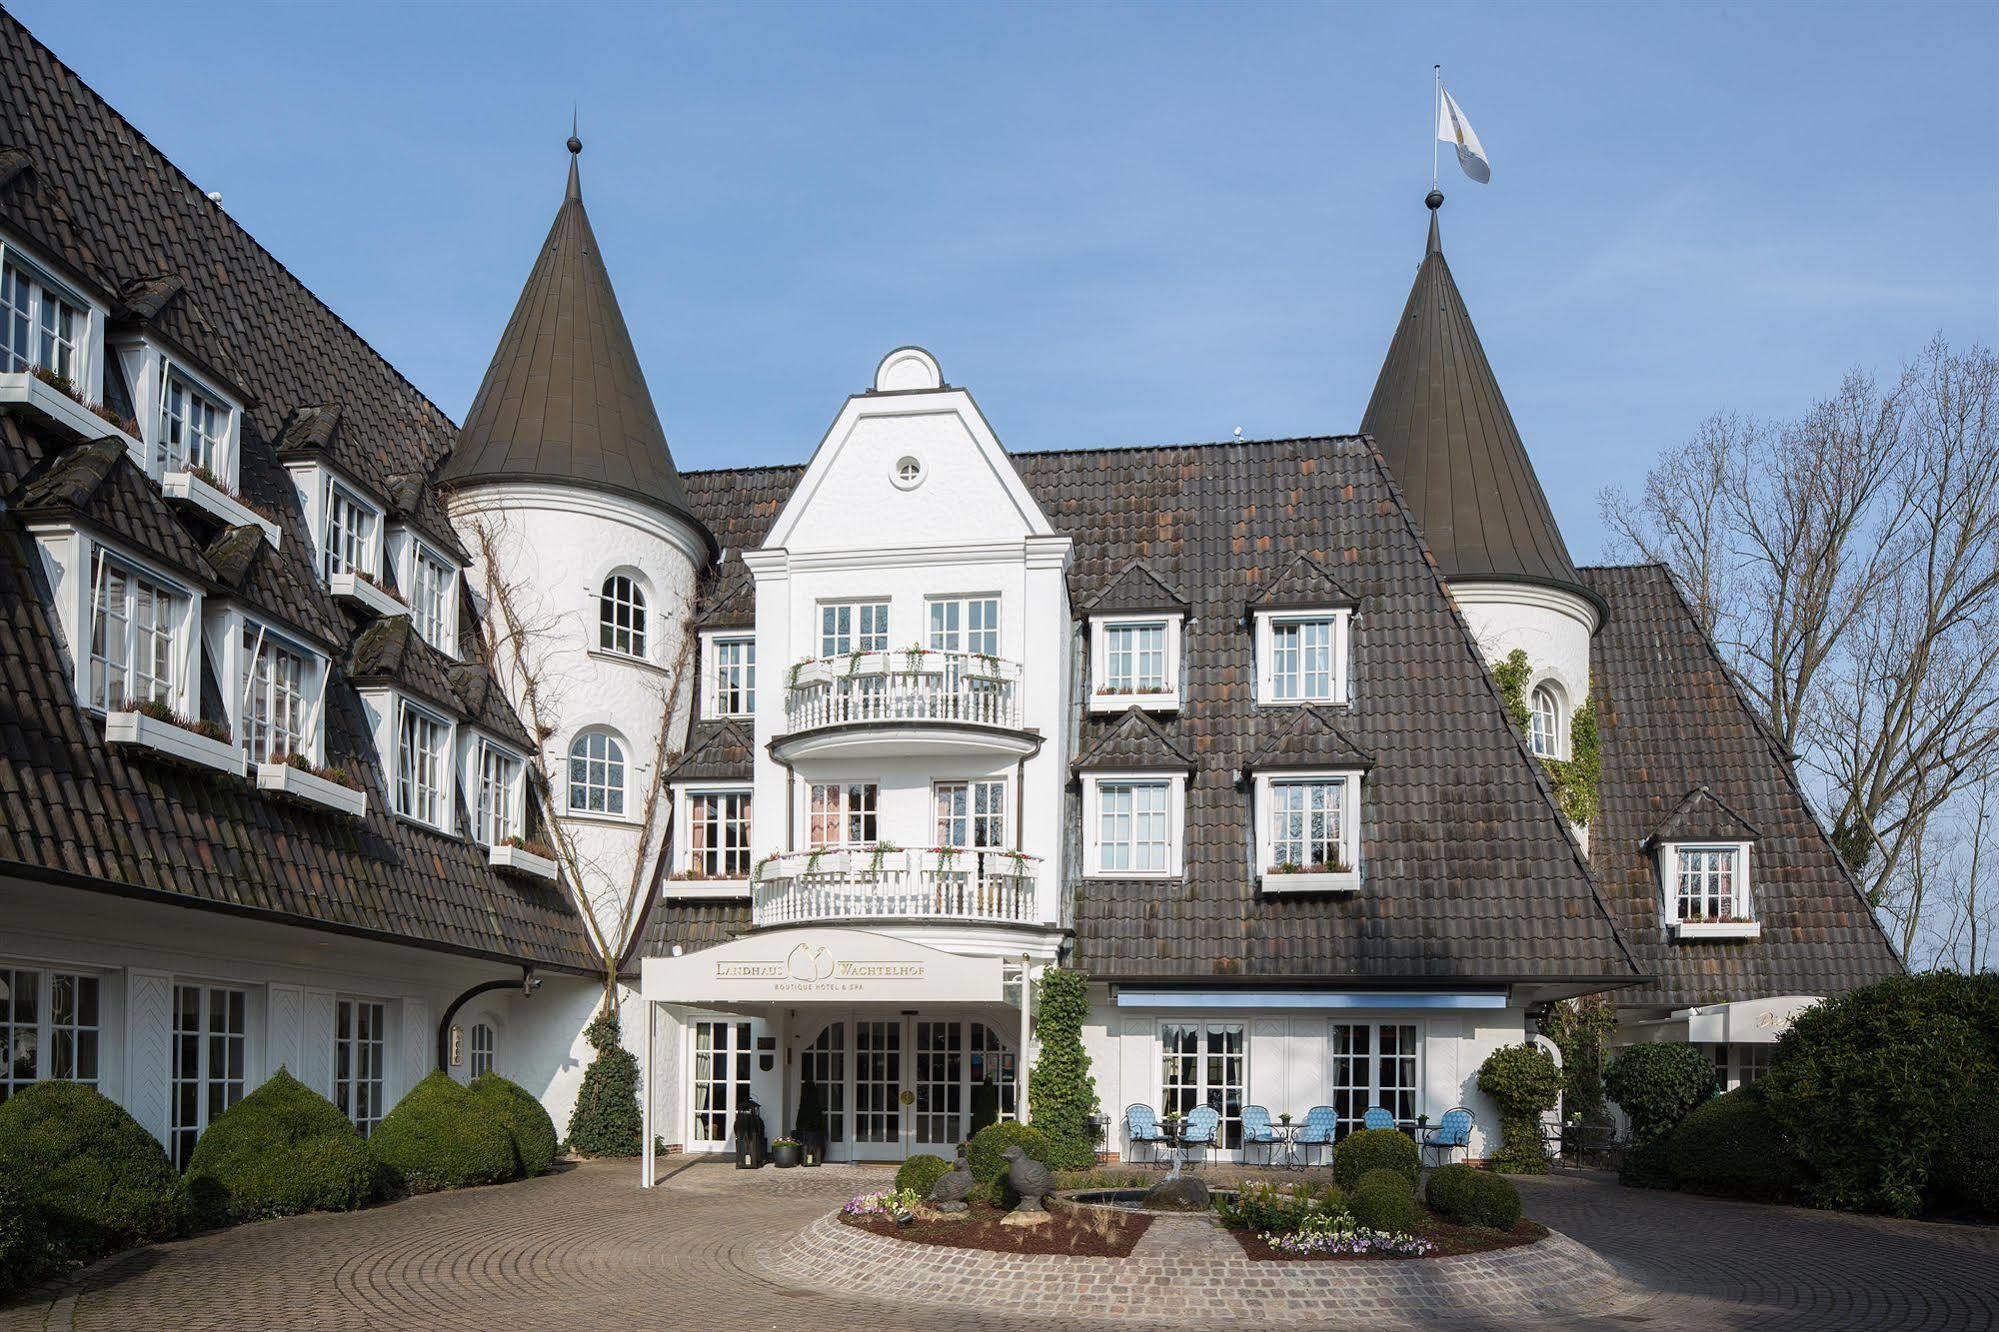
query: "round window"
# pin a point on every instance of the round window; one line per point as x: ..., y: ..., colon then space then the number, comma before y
x: 908, y: 473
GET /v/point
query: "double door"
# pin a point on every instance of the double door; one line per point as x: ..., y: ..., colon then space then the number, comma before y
x: 896, y: 1085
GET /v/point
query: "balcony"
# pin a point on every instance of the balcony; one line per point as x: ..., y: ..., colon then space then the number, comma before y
x: 980, y: 887
x: 909, y: 700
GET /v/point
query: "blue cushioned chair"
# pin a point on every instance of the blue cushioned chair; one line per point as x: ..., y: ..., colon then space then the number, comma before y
x: 1142, y: 1126
x: 1451, y: 1135
x: 1377, y: 1118
x: 1257, y: 1131
x: 1320, y: 1126
x: 1204, y: 1126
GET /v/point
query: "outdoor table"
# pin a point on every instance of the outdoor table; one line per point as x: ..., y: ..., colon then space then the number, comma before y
x: 1287, y: 1138
x: 1174, y: 1129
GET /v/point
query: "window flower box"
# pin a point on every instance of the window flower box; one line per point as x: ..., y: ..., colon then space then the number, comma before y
x: 357, y: 589
x: 191, y: 487
x: 518, y: 860
x: 57, y: 403
x: 1153, y: 698
x: 173, y: 738
x: 293, y: 782
x: 1716, y: 929
x: 1311, y: 879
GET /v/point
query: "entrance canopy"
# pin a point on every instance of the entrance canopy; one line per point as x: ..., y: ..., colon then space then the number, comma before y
x: 813, y: 965
x: 1746, y: 1021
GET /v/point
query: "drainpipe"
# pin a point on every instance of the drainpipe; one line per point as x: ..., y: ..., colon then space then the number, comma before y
x: 529, y: 983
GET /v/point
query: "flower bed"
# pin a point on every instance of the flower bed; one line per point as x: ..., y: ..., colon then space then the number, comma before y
x: 1438, y: 1239
x: 1083, y: 1232
x: 1379, y: 1219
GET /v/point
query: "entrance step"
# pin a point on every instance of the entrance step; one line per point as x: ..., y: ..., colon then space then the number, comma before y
x: 1187, y: 1237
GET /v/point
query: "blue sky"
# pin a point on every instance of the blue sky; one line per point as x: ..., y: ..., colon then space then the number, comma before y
x: 1115, y: 224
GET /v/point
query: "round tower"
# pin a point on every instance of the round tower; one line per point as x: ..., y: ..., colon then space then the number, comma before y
x: 585, y: 558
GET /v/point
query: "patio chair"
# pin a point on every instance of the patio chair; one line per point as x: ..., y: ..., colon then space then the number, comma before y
x: 1257, y: 1131
x: 1375, y: 1117
x: 1451, y: 1135
x: 1204, y: 1125
x: 1141, y: 1126
x: 1320, y: 1127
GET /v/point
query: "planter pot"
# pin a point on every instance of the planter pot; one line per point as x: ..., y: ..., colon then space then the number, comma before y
x: 785, y: 1155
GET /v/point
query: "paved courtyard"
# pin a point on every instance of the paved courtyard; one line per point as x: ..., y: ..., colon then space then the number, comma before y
x: 584, y: 1248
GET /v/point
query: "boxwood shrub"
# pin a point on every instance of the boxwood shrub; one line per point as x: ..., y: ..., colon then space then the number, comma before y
x: 1473, y: 1197
x: 1384, y: 1200
x: 989, y: 1167
x: 526, y: 1122
x: 441, y: 1136
x: 1523, y: 1081
x: 1375, y: 1149
x: 25, y: 1256
x: 1657, y: 1086
x: 281, y: 1150
x: 606, y: 1120
x: 1730, y: 1148
x: 920, y: 1172
x: 98, y: 1180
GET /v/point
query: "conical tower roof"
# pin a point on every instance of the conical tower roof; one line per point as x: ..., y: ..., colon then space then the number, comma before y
x: 564, y: 401
x: 1440, y: 421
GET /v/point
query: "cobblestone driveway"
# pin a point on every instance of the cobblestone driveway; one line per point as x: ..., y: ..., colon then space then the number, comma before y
x: 586, y: 1249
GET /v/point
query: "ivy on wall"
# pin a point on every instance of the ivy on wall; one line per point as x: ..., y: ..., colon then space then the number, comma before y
x: 1575, y: 777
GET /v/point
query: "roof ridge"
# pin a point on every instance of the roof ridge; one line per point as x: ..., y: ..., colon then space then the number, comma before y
x: 1355, y: 437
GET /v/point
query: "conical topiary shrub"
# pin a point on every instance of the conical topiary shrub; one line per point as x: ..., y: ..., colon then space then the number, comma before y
x: 441, y: 1136
x: 606, y: 1121
x: 281, y: 1150
x: 99, y: 1180
x: 526, y: 1122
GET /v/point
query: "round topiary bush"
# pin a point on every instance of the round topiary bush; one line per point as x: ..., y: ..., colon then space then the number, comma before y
x: 441, y: 1136
x: 1523, y: 1081
x: 1375, y: 1149
x: 1384, y: 1200
x: 281, y: 1150
x: 1656, y: 1086
x: 25, y: 1256
x: 982, y: 1154
x: 98, y: 1180
x: 526, y: 1122
x: 920, y: 1172
x: 606, y: 1121
x: 1730, y: 1148
x: 1876, y: 1089
x: 1447, y: 1188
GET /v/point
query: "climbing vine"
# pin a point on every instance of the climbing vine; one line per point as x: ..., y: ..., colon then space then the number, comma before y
x: 1575, y: 778
x: 1580, y: 1029
x: 1512, y: 676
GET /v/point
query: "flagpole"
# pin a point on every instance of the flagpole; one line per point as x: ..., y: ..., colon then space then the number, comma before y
x: 1436, y: 101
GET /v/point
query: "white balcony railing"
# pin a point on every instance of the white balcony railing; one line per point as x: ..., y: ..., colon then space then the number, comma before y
x: 869, y: 884
x: 903, y: 685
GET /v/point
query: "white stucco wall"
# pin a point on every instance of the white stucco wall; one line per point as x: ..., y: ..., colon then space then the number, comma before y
x: 1551, y: 626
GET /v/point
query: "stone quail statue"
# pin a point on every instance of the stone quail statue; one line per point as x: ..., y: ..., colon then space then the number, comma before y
x: 1030, y: 1179
x: 948, y: 1194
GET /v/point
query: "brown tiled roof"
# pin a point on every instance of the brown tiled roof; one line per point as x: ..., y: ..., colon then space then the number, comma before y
x: 1702, y: 817
x: 103, y: 204
x: 391, y: 652
x: 688, y: 924
x: 717, y: 751
x: 1136, y: 589
x: 1671, y: 721
x: 1306, y: 582
x: 1134, y: 740
x: 1308, y: 739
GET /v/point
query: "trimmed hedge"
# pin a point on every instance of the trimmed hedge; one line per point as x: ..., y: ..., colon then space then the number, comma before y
x: 982, y: 1154
x: 1384, y: 1200
x: 1730, y: 1148
x: 1878, y: 1089
x: 532, y: 1131
x: 99, y: 1181
x: 1473, y: 1197
x: 1657, y: 1086
x: 921, y: 1173
x: 25, y: 1254
x: 281, y: 1150
x: 441, y: 1136
x: 1375, y: 1149
x: 606, y: 1121
x: 1523, y: 1081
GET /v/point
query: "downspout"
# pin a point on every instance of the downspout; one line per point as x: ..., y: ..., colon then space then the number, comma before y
x: 529, y: 983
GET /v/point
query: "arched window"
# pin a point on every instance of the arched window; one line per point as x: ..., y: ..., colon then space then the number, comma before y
x: 482, y: 1049
x: 1544, y: 723
x: 621, y: 617
x: 596, y: 774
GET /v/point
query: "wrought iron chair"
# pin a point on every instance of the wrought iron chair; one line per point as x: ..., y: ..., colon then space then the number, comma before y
x: 1204, y: 1128
x: 1257, y: 1131
x: 1142, y: 1126
x: 1451, y: 1135
x: 1375, y: 1117
x: 1321, y: 1126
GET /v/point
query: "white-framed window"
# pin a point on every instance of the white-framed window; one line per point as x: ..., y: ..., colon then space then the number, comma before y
x: 1740, y: 1063
x: 360, y: 1061
x: 1374, y: 1064
x: 498, y: 799
x: 1707, y: 886
x: 1134, y: 659
x: 195, y: 429
x: 348, y: 532
x: 210, y: 1060
x: 49, y: 1027
x: 433, y: 580
x: 137, y: 623
x: 484, y: 1046
x: 971, y: 813
x: 1308, y: 829
x: 1206, y: 1063
x: 965, y: 624
x: 723, y: 1054
x: 852, y: 626
x: 597, y: 774
x: 280, y: 690
x: 842, y: 814
x: 423, y: 758
x: 621, y: 616
x: 718, y: 834
x: 42, y: 323
x: 732, y: 675
x: 1302, y: 656
x: 1544, y: 720
x: 1132, y: 824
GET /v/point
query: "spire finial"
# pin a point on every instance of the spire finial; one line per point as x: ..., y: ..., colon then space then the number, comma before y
x: 575, y: 144
x: 1432, y: 201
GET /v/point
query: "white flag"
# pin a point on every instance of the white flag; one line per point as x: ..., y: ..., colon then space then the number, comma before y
x: 1454, y: 129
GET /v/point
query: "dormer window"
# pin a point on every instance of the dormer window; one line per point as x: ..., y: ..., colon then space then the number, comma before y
x: 498, y: 798
x: 432, y: 584
x: 194, y: 431
x: 137, y: 620
x: 1308, y: 830
x: 1707, y: 890
x: 1134, y: 661
x: 41, y: 324
x: 281, y: 690
x: 1302, y: 656
x: 347, y: 536
x: 732, y: 675
x: 423, y: 765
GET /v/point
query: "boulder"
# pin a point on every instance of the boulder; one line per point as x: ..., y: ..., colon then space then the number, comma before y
x: 1185, y: 1194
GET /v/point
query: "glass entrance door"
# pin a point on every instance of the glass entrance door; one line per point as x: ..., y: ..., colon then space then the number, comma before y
x: 878, y: 1089
x: 940, y: 1084
x: 894, y: 1086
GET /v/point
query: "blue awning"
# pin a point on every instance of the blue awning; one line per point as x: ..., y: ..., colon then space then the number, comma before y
x: 1311, y: 999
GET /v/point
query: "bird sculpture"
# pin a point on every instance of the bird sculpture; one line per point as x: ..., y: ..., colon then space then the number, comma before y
x: 948, y: 1194
x: 1029, y: 1178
